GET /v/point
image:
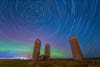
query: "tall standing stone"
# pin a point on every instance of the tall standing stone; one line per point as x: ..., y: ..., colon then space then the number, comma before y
x: 36, y: 51
x: 75, y: 48
x: 47, y: 51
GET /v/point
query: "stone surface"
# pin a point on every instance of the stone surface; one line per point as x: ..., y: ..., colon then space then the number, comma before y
x: 47, y: 51
x: 76, y: 48
x: 36, y: 51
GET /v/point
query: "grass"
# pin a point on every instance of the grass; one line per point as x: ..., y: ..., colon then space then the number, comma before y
x: 51, y: 63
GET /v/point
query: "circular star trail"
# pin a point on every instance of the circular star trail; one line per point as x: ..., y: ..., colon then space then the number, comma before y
x: 52, y: 21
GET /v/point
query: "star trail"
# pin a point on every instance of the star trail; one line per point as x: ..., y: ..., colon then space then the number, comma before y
x: 52, y: 21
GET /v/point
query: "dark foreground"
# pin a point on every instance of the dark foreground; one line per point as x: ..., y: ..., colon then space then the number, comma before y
x: 51, y: 63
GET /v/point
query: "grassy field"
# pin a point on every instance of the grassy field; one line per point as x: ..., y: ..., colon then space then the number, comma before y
x: 51, y: 63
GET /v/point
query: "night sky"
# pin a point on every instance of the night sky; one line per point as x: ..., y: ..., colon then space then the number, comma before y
x: 51, y: 21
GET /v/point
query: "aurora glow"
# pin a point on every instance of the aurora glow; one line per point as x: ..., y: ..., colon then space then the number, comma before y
x: 52, y: 21
x: 13, y: 48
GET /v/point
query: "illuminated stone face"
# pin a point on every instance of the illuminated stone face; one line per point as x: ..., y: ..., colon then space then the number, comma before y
x: 47, y: 51
x: 75, y: 48
x: 36, y: 51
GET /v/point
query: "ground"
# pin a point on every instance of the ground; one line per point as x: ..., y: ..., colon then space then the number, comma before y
x: 51, y: 63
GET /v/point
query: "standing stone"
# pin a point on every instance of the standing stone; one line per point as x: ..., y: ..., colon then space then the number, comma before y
x: 75, y: 48
x: 36, y: 51
x: 47, y: 51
